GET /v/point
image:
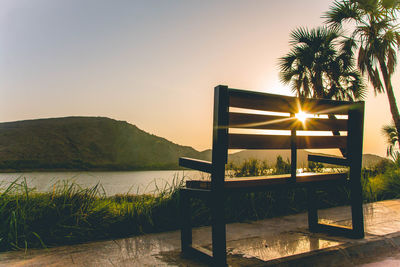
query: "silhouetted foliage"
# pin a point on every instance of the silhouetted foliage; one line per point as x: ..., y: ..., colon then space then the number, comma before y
x: 282, y: 166
x: 321, y: 65
x: 315, y: 166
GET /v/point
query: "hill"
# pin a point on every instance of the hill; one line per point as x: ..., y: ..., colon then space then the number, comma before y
x: 370, y: 160
x: 85, y: 143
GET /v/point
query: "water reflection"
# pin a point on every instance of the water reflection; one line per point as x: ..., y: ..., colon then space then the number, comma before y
x: 137, y: 251
x: 133, y: 182
x: 278, y: 246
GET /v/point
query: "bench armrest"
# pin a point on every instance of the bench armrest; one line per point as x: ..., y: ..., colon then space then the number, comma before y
x: 196, y: 164
x: 329, y: 159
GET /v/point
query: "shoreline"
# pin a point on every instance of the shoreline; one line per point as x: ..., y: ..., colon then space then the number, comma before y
x: 91, y: 170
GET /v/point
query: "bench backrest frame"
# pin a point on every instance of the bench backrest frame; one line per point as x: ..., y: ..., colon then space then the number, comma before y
x: 258, y: 101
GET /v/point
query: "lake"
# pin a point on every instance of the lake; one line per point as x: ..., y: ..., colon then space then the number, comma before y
x: 135, y: 182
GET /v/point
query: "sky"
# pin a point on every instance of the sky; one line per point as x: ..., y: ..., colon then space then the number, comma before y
x: 152, y: 63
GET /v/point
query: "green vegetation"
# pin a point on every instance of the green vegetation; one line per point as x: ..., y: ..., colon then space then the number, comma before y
x: 255, y: 167
x: 383, y: 181
x: 392, y: 140
x: 315, y: 166
x: 282, y: 166
x: 250, y: 167
x: 70, y: 214
x: 86, y: 143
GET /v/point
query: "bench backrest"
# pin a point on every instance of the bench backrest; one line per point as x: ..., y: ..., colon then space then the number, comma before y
x: 239, y: 109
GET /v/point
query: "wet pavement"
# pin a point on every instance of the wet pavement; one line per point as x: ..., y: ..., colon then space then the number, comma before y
x: 391, y: 261
x: 282, y: 241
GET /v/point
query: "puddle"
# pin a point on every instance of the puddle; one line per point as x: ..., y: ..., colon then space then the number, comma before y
x: 279, y: 246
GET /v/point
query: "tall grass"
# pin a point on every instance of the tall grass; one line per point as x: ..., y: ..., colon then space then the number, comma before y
x: 388, y: 184
x: 70, y: 214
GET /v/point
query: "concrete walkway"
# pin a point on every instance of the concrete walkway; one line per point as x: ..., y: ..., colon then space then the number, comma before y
x: 282, y: 241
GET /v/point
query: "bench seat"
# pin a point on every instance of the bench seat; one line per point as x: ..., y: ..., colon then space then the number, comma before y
x: 270, y: 180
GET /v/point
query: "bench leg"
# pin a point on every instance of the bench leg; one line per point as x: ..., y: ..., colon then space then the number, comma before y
x: 186, y: 227
x: 312, y: 209
x: 357, y: 229
x: 218, y: 233
x: 357, y: 208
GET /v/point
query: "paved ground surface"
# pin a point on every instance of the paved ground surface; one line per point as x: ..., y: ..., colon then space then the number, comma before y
x: 282, y: 241
x: 389, y: 261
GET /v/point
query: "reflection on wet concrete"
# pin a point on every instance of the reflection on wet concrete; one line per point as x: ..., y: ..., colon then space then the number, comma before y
x: 137, y: 251
x: 279, y: 246
x: 380, y: 218
x: 249, y: 244
x: 388, y: 261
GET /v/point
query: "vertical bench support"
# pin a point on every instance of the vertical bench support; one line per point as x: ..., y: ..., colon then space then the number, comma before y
x: 186, y: 227
x: 354, y: 148
x: 219, y: 159
x: 293, y: 156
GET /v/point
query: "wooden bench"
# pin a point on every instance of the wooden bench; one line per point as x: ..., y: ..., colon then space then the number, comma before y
x: 234, y: 109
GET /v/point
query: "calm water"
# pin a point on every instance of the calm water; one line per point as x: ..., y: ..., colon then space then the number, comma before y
x: 112, y: 182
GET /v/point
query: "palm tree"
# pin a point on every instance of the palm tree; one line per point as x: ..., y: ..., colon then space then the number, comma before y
x: 392, y: 139
x: 320, y: 65
x: 376, y: 36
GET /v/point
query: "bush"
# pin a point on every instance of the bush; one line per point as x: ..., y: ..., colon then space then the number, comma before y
x: 281, y: 166
x: 315, y: 166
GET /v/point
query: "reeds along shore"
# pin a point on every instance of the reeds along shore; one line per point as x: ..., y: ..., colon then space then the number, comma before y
x: 71, y: 214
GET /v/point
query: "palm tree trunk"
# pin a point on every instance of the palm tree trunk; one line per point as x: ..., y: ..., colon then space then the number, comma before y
x: 392, y: 99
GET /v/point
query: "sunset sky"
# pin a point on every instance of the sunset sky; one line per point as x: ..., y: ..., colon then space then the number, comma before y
x: 151, y: 63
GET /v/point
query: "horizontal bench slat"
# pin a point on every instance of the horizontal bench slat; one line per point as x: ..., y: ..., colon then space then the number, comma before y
x: 268, y: 102
x: 196, y: 164
x: 258, y: 141
x: 271, y: 180
x: 257, y: 121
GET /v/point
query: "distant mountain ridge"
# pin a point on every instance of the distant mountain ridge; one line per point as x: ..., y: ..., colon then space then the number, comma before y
x: 85, y: 143
x: 99, y: 143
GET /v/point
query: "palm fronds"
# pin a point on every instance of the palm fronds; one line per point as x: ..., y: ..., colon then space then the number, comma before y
x: 321, y: 65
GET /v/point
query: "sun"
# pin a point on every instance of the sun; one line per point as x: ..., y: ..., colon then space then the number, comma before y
x: 301, y: 116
